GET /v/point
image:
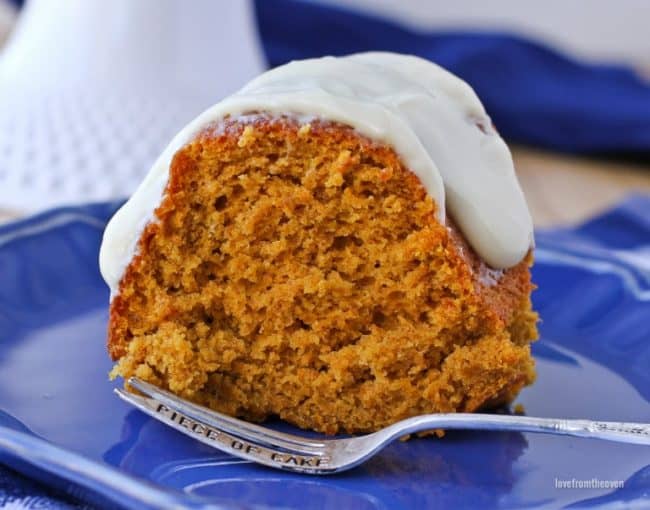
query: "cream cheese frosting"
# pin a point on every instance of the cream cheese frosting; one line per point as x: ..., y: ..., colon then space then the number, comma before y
x: 431, y: 118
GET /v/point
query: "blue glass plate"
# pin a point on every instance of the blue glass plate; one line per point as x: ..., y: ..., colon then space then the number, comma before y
x: 61, y: 424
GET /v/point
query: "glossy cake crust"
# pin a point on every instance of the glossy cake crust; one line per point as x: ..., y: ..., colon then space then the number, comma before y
x: 298, y: 269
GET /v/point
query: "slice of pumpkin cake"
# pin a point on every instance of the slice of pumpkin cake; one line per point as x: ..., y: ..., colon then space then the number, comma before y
x: 343, y: 244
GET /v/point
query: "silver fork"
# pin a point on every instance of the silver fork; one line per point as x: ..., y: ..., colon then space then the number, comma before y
x: 325, y: 456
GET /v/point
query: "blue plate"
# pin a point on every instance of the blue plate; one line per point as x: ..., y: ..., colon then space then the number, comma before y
x: 61, y: 424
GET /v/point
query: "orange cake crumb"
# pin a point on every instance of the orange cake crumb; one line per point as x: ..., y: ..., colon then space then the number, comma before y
x: 298, y: 270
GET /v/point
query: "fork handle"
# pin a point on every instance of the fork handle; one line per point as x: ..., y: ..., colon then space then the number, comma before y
x: 622, y: 432
x: 192, y: 426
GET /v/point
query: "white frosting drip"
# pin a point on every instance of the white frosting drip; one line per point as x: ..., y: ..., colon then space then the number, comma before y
x: 430, y: 117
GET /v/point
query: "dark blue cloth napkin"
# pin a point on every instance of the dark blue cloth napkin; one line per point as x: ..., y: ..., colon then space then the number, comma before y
x: 18, y: 492
x: 534, y: 94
